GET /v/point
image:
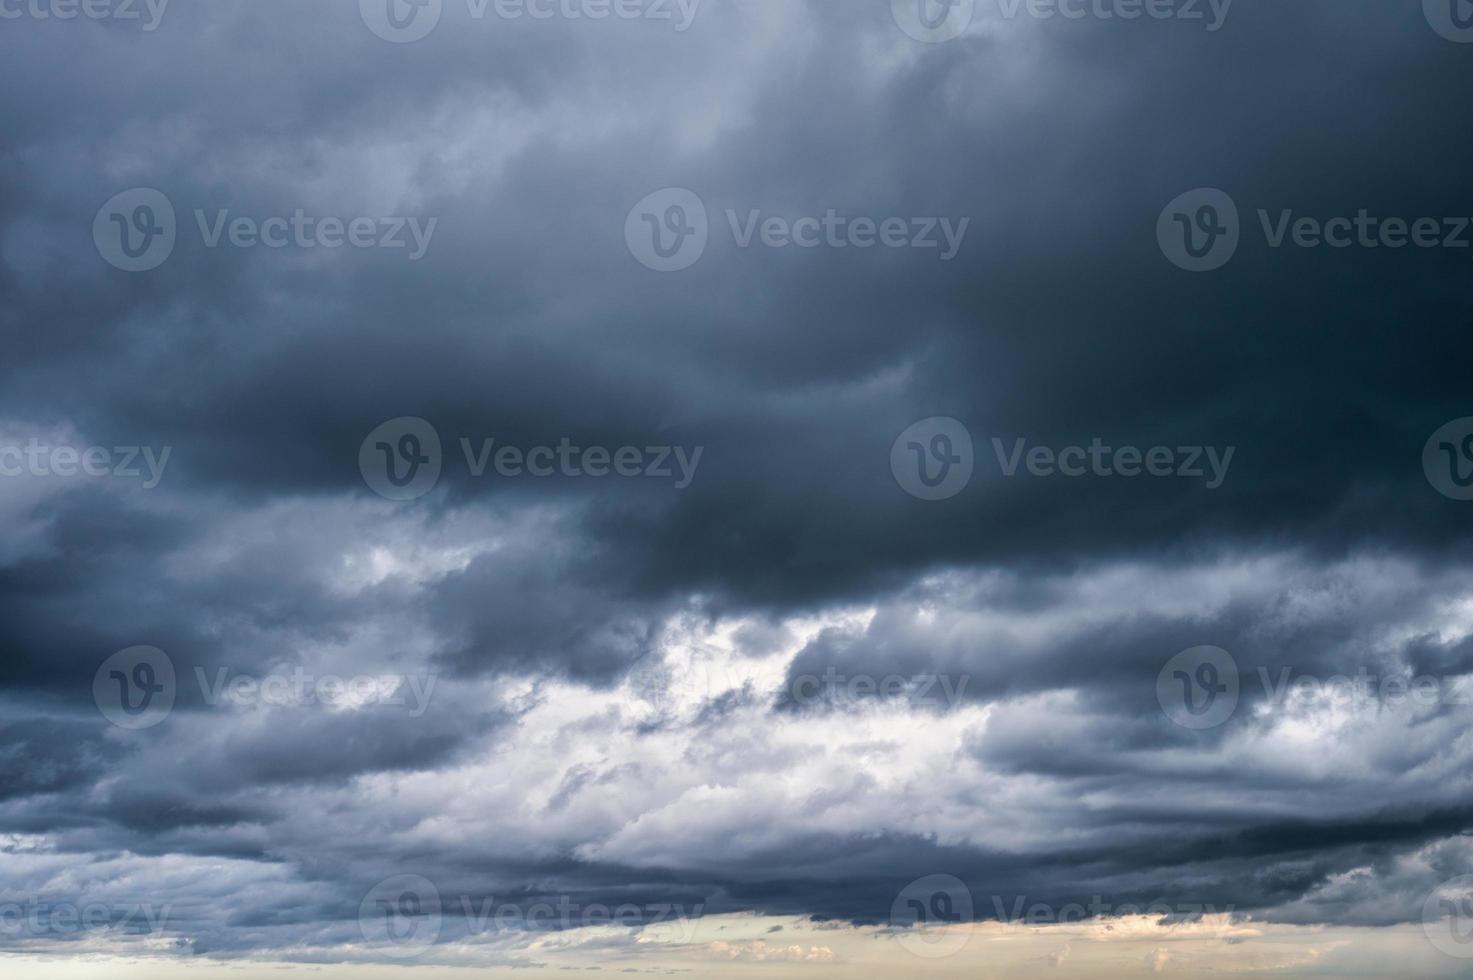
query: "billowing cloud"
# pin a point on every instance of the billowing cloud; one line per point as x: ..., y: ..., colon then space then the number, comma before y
x: 648, y: 616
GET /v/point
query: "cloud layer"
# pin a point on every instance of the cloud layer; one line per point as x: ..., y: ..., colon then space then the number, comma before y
x: 790, y: 687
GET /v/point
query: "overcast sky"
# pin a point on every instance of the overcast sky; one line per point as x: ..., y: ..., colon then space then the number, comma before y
x: 823, y: 478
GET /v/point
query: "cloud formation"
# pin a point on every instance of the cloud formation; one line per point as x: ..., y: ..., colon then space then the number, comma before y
x: 788, y: 687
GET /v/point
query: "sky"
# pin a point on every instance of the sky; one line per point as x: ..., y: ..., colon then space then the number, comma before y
x: 735, y: 487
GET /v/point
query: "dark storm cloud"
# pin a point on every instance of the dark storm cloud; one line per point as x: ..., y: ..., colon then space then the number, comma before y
x: 528, y: 321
